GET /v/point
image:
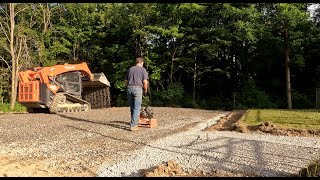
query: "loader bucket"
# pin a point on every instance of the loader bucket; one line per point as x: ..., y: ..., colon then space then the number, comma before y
x: 99, y: 79
x: 97, y: 91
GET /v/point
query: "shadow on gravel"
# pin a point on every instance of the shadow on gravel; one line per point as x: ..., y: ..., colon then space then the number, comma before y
x: 230, y: 152
x: 127, y: 140
x: 225, y: 154
x: 115, y: 124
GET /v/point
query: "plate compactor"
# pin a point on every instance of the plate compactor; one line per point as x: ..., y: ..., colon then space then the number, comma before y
x: 146, y: 116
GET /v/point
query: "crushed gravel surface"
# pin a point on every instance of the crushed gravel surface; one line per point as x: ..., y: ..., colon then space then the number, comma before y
x: 76, y: 144
x: 252, y: 154
x: 99, y: 143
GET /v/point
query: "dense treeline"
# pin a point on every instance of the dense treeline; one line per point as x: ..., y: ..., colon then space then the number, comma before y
x: 207, y: 55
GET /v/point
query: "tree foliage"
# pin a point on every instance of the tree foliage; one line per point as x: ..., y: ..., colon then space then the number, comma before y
x: 196, y: 54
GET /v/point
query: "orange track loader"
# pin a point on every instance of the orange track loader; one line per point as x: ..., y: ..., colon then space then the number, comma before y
x: 63, y: 88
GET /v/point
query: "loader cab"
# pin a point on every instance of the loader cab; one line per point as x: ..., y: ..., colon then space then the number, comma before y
x: 70, y: 82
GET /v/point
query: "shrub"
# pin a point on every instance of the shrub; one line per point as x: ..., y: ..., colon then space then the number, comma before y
x: 172, y: 96
x: 156, y: 98
x: 301, y: 101
x: 252, y: 97
x: 202, y: 103
x: 214, y: 102
x: 122, y: 100
x: 188, y: 102
x: 280, y: 102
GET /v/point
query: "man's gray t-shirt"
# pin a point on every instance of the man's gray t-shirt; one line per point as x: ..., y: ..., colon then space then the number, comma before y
x: 135, y: 76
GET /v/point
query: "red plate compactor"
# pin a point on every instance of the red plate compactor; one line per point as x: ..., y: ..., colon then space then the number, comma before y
x: 146, y: 117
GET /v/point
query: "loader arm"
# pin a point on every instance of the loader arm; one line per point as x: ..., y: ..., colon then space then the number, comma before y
x: 44, y: 74
x: 49, y: 72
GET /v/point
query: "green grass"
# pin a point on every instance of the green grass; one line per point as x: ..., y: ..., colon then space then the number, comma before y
x: 313, y: 170
x: 293, y: 119
x: 18, y: 108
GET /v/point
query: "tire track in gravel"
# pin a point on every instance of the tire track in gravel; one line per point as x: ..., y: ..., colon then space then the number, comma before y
x: 254, y: 154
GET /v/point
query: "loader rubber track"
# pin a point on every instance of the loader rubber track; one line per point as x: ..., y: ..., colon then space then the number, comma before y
x: 98, y: 97
x: 64, y: 102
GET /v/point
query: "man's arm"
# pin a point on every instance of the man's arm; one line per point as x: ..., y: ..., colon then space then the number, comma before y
x: 126, y: 80
x: 145, y: 86
x: 145, y: 81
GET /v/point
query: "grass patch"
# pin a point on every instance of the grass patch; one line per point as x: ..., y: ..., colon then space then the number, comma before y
x: 313, y: 170
x: 18, y: 108
x: 291, y: 119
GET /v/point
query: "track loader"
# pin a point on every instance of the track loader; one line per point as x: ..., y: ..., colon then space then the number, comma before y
x: 63, y: 88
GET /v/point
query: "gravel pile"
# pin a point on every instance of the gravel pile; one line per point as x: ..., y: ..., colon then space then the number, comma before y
x: 255, y: 154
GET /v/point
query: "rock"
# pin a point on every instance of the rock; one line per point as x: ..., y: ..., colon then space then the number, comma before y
x: 171, y: 174
x: 171, y: 164
x: 233, y: 126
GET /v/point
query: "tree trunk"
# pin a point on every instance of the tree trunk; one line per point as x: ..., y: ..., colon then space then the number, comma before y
x: 13, y: 58
x: 172, y: 61
x: 1, y: 87
x: 171, y: 72
x: 46, y: 21
x: 194, y: 80
x: 288, y: 83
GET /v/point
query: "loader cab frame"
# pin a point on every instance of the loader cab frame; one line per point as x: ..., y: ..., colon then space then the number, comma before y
x: 71, y: 82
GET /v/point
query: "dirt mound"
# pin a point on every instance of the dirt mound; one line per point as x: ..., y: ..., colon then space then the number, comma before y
x: 168, y: 169
x: 173, y: 169
x: 231, y: 123
x: 268, y: 127
x: 239, y: 127
x: 227, y: 123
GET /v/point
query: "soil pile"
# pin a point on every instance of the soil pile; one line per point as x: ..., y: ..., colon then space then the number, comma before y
x: 168, y: 169
x: 231, y: 123
x: 173, y: 169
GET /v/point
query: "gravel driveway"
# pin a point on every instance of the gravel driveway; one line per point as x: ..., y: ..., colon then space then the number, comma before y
x: 251, y: 154
x: 76, y: 144
x: 98, y: 143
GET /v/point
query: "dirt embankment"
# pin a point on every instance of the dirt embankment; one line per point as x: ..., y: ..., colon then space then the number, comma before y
x: 232, y: 123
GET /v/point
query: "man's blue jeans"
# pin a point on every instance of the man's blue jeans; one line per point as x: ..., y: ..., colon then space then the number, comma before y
x: 134, y: 94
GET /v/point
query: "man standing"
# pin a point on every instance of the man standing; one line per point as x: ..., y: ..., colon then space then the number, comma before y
x: 137, y: 83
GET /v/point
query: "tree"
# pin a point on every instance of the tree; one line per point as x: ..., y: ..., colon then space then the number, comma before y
x: 287, y: 19
x: 13, y: 42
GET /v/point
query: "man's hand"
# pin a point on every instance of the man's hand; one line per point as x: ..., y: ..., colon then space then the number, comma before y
x: 145, y: 93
